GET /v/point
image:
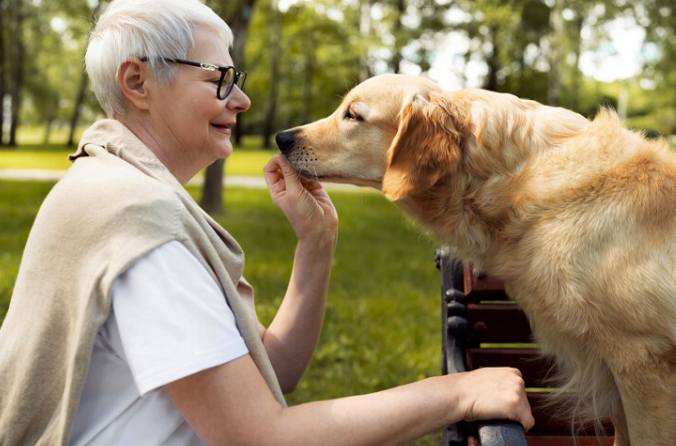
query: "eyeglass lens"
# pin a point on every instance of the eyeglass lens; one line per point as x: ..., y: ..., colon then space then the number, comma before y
x: 228, y: 80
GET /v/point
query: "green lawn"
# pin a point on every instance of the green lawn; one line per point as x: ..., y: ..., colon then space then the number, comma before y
x: 382, y: 319
x: 247, y: 159
x: 248, y: 162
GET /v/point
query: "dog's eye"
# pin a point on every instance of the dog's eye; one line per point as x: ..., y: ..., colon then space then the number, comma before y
x: 352, y: 116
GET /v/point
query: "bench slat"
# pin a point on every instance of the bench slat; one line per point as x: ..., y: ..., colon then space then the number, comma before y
x: 549, y: 421
x: 533, y: 366
x: 497, y: 323
x: 479, y: 323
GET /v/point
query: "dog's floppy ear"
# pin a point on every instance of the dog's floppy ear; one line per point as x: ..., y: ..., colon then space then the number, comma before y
x: 427, y: 145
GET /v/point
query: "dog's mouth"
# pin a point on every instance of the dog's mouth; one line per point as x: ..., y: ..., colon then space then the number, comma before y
x: 362, y: 182
x: 301, y: 164
x: 310, y: 175
x: 305, y: 169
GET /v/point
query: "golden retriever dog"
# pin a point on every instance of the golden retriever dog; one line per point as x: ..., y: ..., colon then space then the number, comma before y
x: 577, y: 217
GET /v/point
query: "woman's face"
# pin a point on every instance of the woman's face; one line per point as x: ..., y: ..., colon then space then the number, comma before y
x: 193, y: 125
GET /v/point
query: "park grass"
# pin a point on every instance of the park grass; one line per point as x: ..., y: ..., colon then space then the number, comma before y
x: 245, y: 161
x: 382, y: 317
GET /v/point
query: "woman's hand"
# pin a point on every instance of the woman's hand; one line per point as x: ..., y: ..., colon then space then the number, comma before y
x: 494, y: 393
x: 291, y: 338
x: 304, y: 202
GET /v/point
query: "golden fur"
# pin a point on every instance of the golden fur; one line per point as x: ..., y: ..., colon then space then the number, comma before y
x: 577, y: 217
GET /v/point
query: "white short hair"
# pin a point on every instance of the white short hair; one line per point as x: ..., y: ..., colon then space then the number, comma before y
x: 137, y: 28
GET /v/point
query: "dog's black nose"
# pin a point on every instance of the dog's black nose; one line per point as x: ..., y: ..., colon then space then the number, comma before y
x: 285, y: 141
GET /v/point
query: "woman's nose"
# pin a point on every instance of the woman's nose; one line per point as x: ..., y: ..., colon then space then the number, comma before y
x: 238, y: 100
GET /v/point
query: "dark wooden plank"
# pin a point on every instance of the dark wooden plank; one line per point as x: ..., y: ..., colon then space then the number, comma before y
x: 550, y: 421
x: 494, y: 319
x: 482, y: 287
x: 550, y: 440
x: 556, y: 440
x: 534, y: 367
x: 497, y: 323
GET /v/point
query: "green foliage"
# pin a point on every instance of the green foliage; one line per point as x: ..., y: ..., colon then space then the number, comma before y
x: 311, y: 41
x: 322, y: 44
x: 54, y: 38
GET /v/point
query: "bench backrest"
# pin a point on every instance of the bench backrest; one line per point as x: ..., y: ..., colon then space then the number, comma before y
x: 483, y: 327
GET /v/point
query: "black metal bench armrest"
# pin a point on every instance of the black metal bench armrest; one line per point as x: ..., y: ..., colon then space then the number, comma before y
x: 454, y: 327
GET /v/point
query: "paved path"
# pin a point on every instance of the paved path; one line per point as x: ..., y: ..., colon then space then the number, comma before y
x: 235, y: 181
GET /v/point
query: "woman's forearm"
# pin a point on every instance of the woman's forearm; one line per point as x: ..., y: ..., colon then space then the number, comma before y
x: 231, y: 404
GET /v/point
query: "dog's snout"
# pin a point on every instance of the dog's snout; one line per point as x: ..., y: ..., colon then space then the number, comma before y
x: 285, y: 141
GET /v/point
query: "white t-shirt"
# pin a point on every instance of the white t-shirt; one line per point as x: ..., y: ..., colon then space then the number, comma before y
x: 169, y: 319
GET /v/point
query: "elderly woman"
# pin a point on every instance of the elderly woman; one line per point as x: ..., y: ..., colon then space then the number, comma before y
x: 131, y: 323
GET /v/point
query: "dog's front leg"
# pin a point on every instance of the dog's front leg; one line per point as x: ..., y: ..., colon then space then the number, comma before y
x: 649, y: 400
x: 620, y: 426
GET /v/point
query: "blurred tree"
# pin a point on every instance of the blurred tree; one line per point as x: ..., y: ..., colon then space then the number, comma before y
x: 531, y: 48
x: 275, y: 49
x: 237, y: 14
x: 556, y: 53
x: 321, y: 56
x: 568, y: 20
x: 51, y: 38
x: 500, y: 33
x: 399, y: 36
x: 364, y: 32
x: 82, y: 86
x: 658, y: 17
x: 17, y: 67
x: 4, y: 50
x: 41, y: 95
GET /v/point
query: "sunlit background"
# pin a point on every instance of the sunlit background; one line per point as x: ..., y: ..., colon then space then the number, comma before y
x: 303, y: 55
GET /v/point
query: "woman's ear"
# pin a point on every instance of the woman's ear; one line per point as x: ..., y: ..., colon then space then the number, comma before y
x: 426, y: 147
x: 132, y: 76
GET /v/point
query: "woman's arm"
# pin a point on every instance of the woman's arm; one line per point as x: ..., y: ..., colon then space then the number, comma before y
x: 291, y: 338
x: 231, y: 404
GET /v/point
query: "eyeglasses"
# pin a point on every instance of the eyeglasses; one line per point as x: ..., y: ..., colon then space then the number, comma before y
x: 230, y: 76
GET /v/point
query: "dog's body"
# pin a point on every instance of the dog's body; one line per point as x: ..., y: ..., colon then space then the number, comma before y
x: 577, y: 217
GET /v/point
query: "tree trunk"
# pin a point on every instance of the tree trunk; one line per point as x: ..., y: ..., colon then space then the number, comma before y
x: 493, y: 61
x: 237, y: 14
x: 275, y: 37
x: 3, y: 70
x: 17, y: 73
x: 397, y: 57
x: 77, y: 109
x: 240, y: 28
x: 48, y: 130
x: 554, y: 86
x: 364, y: 31
x: 212, y: 189
x: 82, y: 88
x: 310, y: 62
x: 576, y: 81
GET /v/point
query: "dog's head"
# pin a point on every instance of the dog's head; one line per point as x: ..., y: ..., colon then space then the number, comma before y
x: 393, y: 132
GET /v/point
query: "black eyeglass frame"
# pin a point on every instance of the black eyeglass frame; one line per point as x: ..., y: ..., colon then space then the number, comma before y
x: 237, y: 77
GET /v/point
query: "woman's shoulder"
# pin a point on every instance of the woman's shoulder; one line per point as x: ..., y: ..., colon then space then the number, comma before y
x: 95, y: 196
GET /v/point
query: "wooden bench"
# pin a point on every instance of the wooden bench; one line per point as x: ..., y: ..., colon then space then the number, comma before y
x: 482, y: 327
